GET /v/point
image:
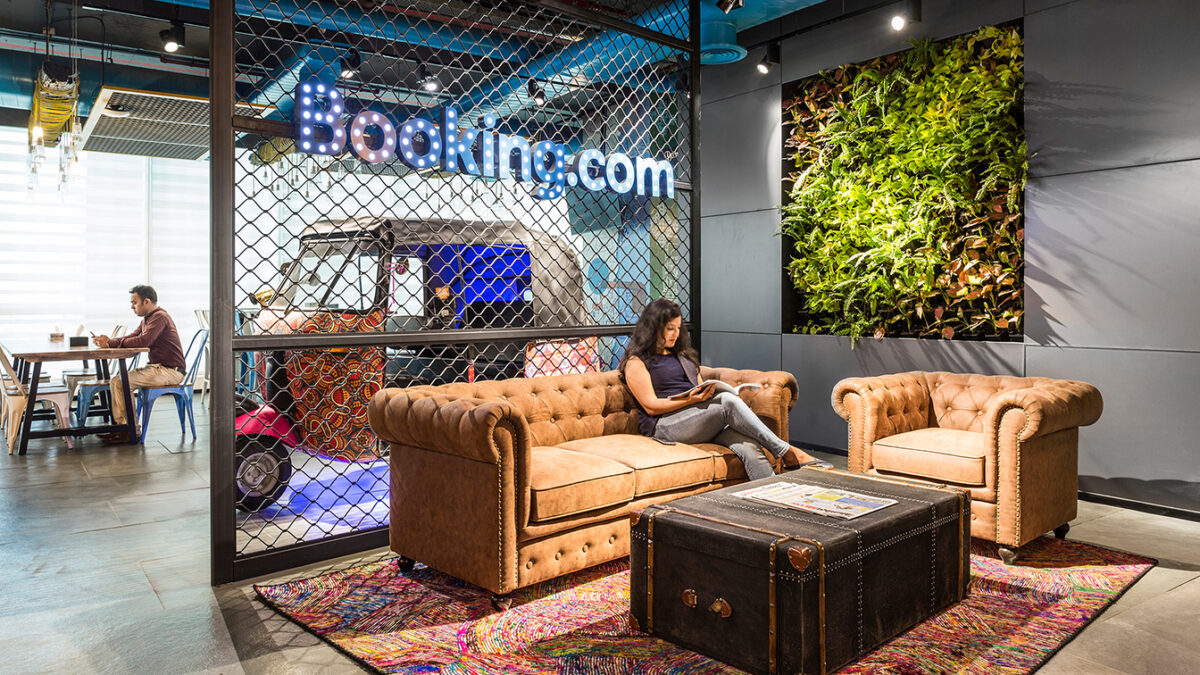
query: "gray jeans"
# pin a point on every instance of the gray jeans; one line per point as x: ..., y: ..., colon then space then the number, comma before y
x: 725, y: 420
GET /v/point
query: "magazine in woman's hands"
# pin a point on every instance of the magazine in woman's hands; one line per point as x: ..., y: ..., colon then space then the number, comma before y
x: 718, y: 387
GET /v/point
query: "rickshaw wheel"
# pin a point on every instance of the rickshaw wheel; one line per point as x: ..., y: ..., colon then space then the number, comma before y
x: 263, y: 471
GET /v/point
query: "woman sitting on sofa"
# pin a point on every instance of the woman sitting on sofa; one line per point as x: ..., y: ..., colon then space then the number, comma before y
x: 659, y: 363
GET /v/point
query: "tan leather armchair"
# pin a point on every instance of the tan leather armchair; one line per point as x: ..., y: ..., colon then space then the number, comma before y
x: 1013, y: 442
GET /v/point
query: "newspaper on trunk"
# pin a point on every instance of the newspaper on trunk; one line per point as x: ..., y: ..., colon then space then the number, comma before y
x: 824, y: 501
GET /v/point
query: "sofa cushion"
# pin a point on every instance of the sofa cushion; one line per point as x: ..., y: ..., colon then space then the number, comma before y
x: 562, y: 483
x: 942, y: 454
x: 657, y: 467
x: 726, y: 464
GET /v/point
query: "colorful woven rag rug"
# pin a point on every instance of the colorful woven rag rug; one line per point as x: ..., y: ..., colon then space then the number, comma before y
x: 426, y: 622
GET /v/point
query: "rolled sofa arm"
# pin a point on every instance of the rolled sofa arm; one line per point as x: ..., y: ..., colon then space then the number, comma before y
x: 1049, y: 406
x: 772, y: 403
x: 892, y: 404
x: 877, y: 407
x: 438, y: 422
x: 459, y: 481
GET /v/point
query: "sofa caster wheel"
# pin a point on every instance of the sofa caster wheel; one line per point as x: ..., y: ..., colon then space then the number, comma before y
x: 1008, y: 555
x: 1062, y: 530
x: 501, y: 602
x: 405, y: 564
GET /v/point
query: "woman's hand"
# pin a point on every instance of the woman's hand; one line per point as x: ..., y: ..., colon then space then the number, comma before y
x: 701, y: 395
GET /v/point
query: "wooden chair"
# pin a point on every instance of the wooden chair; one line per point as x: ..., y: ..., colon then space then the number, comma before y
x: 16, y: 397
x: 72, y: 378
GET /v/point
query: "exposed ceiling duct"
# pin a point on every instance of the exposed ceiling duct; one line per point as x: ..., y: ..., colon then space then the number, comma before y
x: 606, y: 56
x: 55, y: 97
x: 718, y: 43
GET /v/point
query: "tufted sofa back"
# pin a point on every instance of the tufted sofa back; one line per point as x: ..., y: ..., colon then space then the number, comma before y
x: 959, y: 401
x: 560, y: 408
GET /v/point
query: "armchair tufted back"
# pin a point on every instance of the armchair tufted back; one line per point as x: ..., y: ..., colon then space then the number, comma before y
x: 959, y: 401
x: 560, y: 408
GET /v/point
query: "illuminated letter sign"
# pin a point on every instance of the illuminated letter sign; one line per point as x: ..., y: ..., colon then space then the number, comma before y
x: 419, y: 143
x: 318, y: 108
x: 372, y: 152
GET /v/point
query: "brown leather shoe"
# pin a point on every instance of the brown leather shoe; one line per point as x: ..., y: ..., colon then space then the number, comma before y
x: 816, y: 464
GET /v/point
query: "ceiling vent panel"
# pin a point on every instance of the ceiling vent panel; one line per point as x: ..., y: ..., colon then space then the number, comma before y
x: 150, y: 124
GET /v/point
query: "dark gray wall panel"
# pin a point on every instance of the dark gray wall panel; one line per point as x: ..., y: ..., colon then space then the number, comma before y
x: 820, y: 361
x: 1032, y: 6
x: 741, y: 153
x: 1108, y: 83
x: 740, y: 263
x: 723, y: 81
x: 1144, y: 447
x: 869, y: 35
x: 757, y: 351
x: 1110, y: 258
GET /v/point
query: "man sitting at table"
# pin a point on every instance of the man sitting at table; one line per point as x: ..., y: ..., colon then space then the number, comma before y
x: 156, y: 331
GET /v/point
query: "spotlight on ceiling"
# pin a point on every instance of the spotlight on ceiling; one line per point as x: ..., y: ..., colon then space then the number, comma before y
x: 426, y: 80
x: 350, y: 64
x: 769, y: 59
x: 116, y: 110
x: 909, y: 12
x: 539, y: 96
x: 728, y: 6
x: 173, y: 37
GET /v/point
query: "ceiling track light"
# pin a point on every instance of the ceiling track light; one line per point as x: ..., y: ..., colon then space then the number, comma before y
x: 173, y: 37
x: 909, y: 12
x: 350, y: 64
x: 769, y: 59
x: 536, y: 93
x: 426, y: 80
x: 728, y: 6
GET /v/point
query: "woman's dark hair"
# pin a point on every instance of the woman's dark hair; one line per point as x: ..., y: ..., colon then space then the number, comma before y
x: 644, y: 341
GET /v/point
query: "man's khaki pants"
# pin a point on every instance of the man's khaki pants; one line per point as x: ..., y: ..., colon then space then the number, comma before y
x: 153, y: 375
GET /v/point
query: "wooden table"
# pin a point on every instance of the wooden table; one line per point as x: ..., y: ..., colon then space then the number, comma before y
x: 28, y: 359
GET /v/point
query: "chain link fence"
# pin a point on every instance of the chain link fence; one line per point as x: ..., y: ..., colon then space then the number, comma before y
x: 431, y: 193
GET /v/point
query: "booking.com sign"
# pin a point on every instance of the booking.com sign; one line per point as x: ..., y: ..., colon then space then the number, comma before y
x: 374, y: 138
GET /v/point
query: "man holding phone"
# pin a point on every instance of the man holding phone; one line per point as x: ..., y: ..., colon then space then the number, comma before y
x: 156, y: 331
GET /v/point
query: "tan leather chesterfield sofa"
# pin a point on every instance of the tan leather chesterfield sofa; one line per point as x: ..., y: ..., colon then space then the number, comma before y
x: 1012, y: 441
x: 508, y: 483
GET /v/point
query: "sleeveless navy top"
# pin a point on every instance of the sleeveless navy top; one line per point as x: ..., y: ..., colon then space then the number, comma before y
x: 668, y: 378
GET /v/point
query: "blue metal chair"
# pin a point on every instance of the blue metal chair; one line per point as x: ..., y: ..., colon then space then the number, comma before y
x: 183, y: 392
x: 86, y: 391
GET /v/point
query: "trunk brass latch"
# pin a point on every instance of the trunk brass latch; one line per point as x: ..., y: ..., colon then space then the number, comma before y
x: 721, y: 607
x: 689, y: 597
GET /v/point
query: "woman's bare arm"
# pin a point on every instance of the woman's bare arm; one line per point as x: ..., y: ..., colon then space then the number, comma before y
x: 637, y: 377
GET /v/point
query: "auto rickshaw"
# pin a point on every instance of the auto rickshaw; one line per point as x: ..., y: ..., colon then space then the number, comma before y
x: 385, y: 274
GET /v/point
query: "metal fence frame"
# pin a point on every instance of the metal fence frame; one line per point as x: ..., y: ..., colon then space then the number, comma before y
x: 226, y: 565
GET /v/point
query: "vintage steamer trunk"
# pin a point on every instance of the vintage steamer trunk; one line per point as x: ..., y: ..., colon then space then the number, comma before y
x: 777, y: 590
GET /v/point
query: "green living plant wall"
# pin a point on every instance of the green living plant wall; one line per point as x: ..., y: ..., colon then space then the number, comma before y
x: 906, y: 205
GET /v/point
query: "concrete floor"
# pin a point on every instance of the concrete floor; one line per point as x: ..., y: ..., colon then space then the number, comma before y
x: 104, y: 552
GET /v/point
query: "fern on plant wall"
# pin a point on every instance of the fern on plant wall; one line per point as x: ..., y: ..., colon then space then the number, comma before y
x: 906, y: 208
